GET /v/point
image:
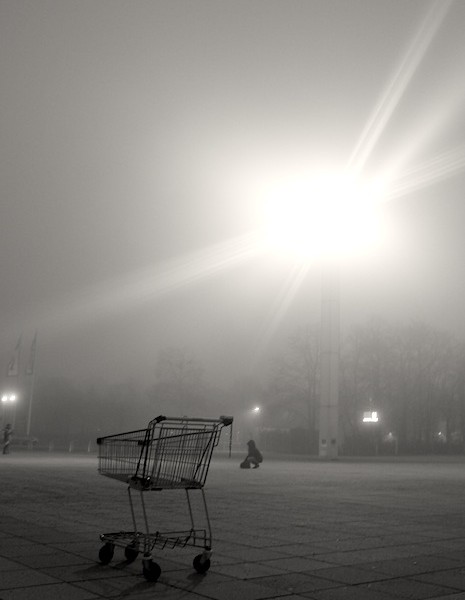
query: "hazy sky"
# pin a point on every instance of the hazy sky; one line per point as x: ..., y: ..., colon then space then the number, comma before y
x: 139, y: 139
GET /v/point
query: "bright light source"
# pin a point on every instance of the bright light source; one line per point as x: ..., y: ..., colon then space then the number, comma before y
x: 370, y: 417
x: 256, y: 409
x: 8, y: 398
x: 327, y: 215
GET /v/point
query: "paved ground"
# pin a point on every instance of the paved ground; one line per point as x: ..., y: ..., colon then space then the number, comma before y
x: 351, y: 529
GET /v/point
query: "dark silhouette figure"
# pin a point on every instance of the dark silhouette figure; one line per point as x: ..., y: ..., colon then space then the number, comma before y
x: 254, y: 456
x: 7, y: 432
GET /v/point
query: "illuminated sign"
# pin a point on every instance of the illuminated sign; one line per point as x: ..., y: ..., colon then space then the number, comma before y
x: 370, y: 417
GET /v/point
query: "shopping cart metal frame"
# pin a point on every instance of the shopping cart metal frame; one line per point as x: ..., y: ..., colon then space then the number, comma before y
x: 170, y: 453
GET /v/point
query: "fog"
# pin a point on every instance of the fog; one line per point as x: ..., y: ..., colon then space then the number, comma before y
x: 139, y: 139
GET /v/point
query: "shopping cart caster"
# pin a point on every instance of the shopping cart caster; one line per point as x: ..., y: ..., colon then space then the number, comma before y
x: 131, y: 552
x: 106, y: 553
x: 201, y: 564
x: 150, y: 569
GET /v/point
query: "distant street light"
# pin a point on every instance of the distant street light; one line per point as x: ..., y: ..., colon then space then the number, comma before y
x: 254, y: 421
x: 8, y: 398
x: 8, y: 406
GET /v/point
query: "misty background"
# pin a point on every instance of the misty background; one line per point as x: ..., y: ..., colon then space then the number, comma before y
x: 138, y: 142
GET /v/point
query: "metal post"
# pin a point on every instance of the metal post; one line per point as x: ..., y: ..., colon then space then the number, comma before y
x: 329, y: 378
x: 29, y: 410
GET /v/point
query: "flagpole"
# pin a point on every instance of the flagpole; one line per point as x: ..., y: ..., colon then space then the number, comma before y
x: 29, y: 412
x: 32, y: 371
x: 13, y: 370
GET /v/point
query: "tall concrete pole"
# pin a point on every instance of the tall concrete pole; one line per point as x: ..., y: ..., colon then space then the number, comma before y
x: 329, y: 376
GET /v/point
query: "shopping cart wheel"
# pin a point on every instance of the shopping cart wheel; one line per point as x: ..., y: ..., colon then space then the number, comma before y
x: 131, y: 552
x: 201, y: 564
x: 106, y: 553
x: 151, y: 570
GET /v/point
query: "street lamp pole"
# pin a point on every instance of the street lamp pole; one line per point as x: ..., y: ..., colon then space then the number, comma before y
x: 329, y: 215
x: 329, y: 375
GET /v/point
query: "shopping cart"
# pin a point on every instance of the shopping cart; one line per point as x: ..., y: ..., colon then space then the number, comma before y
x: 171, y: 453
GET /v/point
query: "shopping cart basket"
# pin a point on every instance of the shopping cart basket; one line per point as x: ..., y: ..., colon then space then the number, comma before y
x: 171, y: 453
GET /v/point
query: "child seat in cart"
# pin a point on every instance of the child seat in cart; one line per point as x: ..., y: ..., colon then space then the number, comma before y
x: 170, y: 453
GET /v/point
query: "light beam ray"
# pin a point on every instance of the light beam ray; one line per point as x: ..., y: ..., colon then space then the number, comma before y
x: 423, y: 130
x: 281, y: 305
x: 396, y: 88
x: 440, y: 167
x: 151, y: 283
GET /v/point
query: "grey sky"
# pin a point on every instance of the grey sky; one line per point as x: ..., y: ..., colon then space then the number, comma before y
x: 138, y: 136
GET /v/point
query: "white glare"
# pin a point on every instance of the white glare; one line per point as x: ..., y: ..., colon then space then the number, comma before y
x: 327, y: 215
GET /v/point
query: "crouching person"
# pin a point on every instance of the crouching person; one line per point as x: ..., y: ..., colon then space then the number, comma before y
x: 254, y: 457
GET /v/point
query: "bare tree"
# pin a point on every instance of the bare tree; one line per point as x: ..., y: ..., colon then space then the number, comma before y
x: 293, y: 387
x: 413, y: 374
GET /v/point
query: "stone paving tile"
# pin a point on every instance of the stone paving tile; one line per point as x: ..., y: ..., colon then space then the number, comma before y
x: 222, y: 559
x: 71, y: 573
x: 246, y: 570
x: 459, y: 596
x: 290, y: 597
x: 454, y: 578
x: 59, y: 591
x: 130, y: 587
x: 86, y: 549
x: 299, y: 549
x: 369, y: 555
x: 291, y: 582
x: 294, y: 582
x: 350, y: 593
x: 350, y: 575
x: 425, y: 549
x: 168, y: 565
x: 9, y: 565
x: 358, y: 543
x: 187, y: 579
x: 11, y: 546
x: 53, y: 558
x: 243, y: 590
x: 246, y: 553
x: 297, y: 563
x: 450, y: 545
x: 24, y: 578
x: 411, y: 588
x: 351, y: 557
x: 165, y: 593
x: 413, y: 566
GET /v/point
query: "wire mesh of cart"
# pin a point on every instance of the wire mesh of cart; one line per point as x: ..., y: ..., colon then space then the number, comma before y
x: 170, y: 453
